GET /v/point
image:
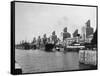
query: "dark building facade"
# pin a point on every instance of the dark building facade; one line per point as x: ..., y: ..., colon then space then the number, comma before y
x: 66, y: 34
x: 89, y: 29
x: 94, y: 40
x: 75, y: 33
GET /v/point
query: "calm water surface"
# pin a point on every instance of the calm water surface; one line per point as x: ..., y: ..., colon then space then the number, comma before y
x: 39, y: 61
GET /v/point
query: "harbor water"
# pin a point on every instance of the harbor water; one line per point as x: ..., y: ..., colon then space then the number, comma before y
x: 32, y: 61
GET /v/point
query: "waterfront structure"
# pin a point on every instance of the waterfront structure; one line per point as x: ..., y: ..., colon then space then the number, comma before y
x: 34, y: 40
x: 89, y: 29
x: 66, y: 34
x: 83, y: 33
x: 54, y: 37
x: 87, y: 32
x: 75, y: 33
x: 86, y: 39
x: 89, y: 38
x: 44, y: 39
x: 94, y: 40
x: 70, y: 40
x: 39, y: 41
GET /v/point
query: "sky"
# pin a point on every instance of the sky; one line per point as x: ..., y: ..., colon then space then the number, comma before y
x: 33, y: 20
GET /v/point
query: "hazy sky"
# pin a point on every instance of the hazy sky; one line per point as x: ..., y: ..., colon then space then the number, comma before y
x: 32, y: 20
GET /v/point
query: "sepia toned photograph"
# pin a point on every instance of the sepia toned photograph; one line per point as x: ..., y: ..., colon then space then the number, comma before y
x: 51, y: 37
